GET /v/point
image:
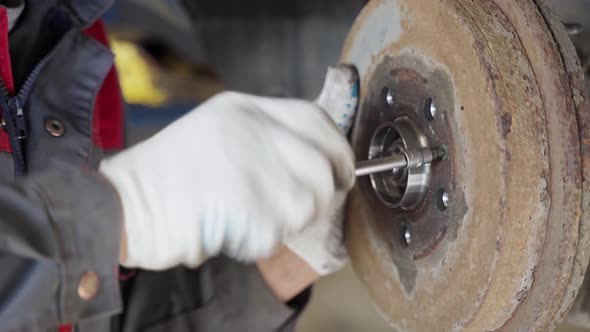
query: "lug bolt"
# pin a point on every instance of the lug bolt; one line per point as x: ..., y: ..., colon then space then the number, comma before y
x: 388, y: 97
x: 444, y: 199
x: 430, y: 109
x: 407, y: 236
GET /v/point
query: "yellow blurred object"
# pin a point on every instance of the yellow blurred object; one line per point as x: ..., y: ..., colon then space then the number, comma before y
x: 135, y: 75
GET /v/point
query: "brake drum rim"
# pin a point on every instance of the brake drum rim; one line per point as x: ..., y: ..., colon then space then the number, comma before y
x: 577, y: 109
x: 564, y: 85
x: 362, y: 76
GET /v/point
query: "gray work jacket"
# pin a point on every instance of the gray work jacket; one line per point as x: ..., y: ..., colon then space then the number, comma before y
x: 60, y: 220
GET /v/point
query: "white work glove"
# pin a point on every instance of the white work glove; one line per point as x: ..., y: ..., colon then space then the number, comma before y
x: 321, y: 244
x: 234, y: 176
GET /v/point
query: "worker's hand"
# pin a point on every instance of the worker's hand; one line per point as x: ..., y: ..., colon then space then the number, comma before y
x: 234, y: 176
x: 320, y: 244
x: 318, y: 250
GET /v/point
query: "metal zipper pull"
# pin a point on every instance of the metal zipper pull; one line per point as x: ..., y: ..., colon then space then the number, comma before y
x: 21, y: 125
x: 15, y: 123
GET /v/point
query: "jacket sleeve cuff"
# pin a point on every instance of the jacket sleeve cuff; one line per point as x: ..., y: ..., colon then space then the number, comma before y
x: 85, y: 216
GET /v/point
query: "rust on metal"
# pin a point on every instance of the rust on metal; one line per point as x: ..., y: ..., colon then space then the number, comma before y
x: 511, y: 254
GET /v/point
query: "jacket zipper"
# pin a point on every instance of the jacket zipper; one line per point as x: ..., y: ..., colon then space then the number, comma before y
x: 13, y: 116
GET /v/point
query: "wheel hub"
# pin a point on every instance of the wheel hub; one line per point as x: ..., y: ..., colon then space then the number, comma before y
x: 403, y: 111
x: 402, y: 187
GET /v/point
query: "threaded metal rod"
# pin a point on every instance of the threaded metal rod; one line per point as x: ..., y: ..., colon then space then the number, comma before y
x: 410, y: 158
x: 380, y: 165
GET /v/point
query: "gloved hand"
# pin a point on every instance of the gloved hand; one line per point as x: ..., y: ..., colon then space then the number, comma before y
x: 320, y: 244
x: 234, y: 176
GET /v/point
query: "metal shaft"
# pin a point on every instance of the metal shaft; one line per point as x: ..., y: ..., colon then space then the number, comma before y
x: 410, y: 159
x: 380, y: 165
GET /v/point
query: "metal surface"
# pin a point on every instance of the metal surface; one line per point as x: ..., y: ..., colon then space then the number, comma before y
x: 576, y: 16
x: 389, y: 97
x: 394, y: 163
x: 444, y: 199
x: 430, y: 109
x: 507, y: 246
x: 407, y: 237
x: 54, y: 127
x: 406, y: 201
x: 397, y: 159
x: 402, y: 188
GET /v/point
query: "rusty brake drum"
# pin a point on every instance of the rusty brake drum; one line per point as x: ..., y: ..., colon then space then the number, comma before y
x: 499, y: 239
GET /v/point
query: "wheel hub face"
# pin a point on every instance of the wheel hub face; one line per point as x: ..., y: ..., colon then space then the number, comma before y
x: 404, y: 110
x: 472, y: 239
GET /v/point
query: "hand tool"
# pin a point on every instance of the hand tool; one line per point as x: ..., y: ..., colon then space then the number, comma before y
x: 403, y: 159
